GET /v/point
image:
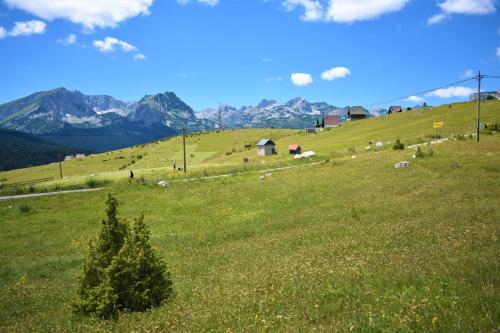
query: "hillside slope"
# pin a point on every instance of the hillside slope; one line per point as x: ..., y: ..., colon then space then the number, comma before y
x: 21, y: 150
x: 207, y: 152
x: 346, y: 245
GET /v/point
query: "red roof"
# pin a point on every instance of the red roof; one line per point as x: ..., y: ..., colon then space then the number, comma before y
x: 395, y: 109
x: 332, y: 120
x: 293, y: 147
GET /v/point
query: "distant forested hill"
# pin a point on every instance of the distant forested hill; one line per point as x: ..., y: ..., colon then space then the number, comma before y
x: 19, y: 150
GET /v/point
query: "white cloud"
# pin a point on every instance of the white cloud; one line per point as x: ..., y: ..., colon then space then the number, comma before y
x: 469, y: 7
x: 109, y: 43
x: 313, y: 10
x: 458, y: 91
x: 139, y: 56
x: 274, y: 79
x: 498, y: 53
x: 28, y: 28
x: 415, y: 99
x: 301, y: 79
x: 438, y: 18
x: 68, y: 40
x: 472, y: 7
x: 348, y: 11
x: 335, y: 73
x: 205, y: 2
x: 89, y: 13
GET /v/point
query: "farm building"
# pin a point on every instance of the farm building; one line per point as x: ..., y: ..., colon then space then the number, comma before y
x: 68, y: 158
x: 486, y: 95
x: 394, y: 109
x: 357, y: 113
x: 331, y: 121
x: 311, y: 130
x: 266, y: 147
x: 79, y: 156
x: 295, y: 149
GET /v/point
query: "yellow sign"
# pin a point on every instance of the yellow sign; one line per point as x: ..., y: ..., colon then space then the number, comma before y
x: 438, y: 124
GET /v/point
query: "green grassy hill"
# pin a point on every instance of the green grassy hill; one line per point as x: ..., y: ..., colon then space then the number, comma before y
x: 349, y: 244
x: 208, y: 153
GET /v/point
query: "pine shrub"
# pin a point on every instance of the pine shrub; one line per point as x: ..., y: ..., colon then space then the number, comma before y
x: 419, y: 153
x: 24, y: 208
x: 121, y: 271
x: 398, y: 145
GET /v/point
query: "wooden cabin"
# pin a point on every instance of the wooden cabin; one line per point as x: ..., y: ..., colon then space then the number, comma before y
x: 266, y: 147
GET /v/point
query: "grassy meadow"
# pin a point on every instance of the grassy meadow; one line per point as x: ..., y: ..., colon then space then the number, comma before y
x: 209, y: 153
x: 349, y: 244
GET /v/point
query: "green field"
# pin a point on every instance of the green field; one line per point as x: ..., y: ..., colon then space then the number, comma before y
x: 349, y: 244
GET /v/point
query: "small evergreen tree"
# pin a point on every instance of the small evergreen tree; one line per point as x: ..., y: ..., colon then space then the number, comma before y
x: 102, y: 250
x: 419, y: 153
x: 137, y: 276
x: 323, y: 123
x: 398, y: 145
x: 121, y: 271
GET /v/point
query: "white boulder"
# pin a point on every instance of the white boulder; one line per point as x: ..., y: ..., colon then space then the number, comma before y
x: 163, y: 183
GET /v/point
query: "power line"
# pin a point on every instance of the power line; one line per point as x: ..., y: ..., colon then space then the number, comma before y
x: 419, y: 93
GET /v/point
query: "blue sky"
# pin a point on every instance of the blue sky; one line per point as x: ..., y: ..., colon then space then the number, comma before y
x: 344, y: 52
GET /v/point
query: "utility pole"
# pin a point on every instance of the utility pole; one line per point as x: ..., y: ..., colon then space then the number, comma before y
x: 184, y: 147
x: 219, y: 117
x: 60, y: 170
x: 478, y: 123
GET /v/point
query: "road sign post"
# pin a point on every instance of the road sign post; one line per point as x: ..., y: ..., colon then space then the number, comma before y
x: 438, y: 125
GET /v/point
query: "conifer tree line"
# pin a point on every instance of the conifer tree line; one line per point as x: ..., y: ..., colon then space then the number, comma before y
x: 122, y: 272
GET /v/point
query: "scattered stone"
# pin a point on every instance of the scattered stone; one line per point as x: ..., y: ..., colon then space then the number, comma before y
x: 163, y: 183
x: 305, y: 154
x: 379, y: 144
x: 269, y: 174
x: 353, y: 156
x: 403, y: 164
x: 262, y: 178
x: 368, y: 147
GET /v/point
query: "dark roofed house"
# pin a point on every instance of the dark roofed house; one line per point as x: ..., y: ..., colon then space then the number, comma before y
x: 357, y: 112
x: 294, y: 149
x: 332, y: 121
x: 266, y: 147
x: 394, y: 109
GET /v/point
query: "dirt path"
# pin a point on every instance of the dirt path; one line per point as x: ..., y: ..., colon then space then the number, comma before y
x: 243, y: 173
x: 35, y: 195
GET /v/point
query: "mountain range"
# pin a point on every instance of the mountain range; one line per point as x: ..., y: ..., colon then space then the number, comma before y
x: 101, y: 122
x: 98, y: 122
x: 296, y: 113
